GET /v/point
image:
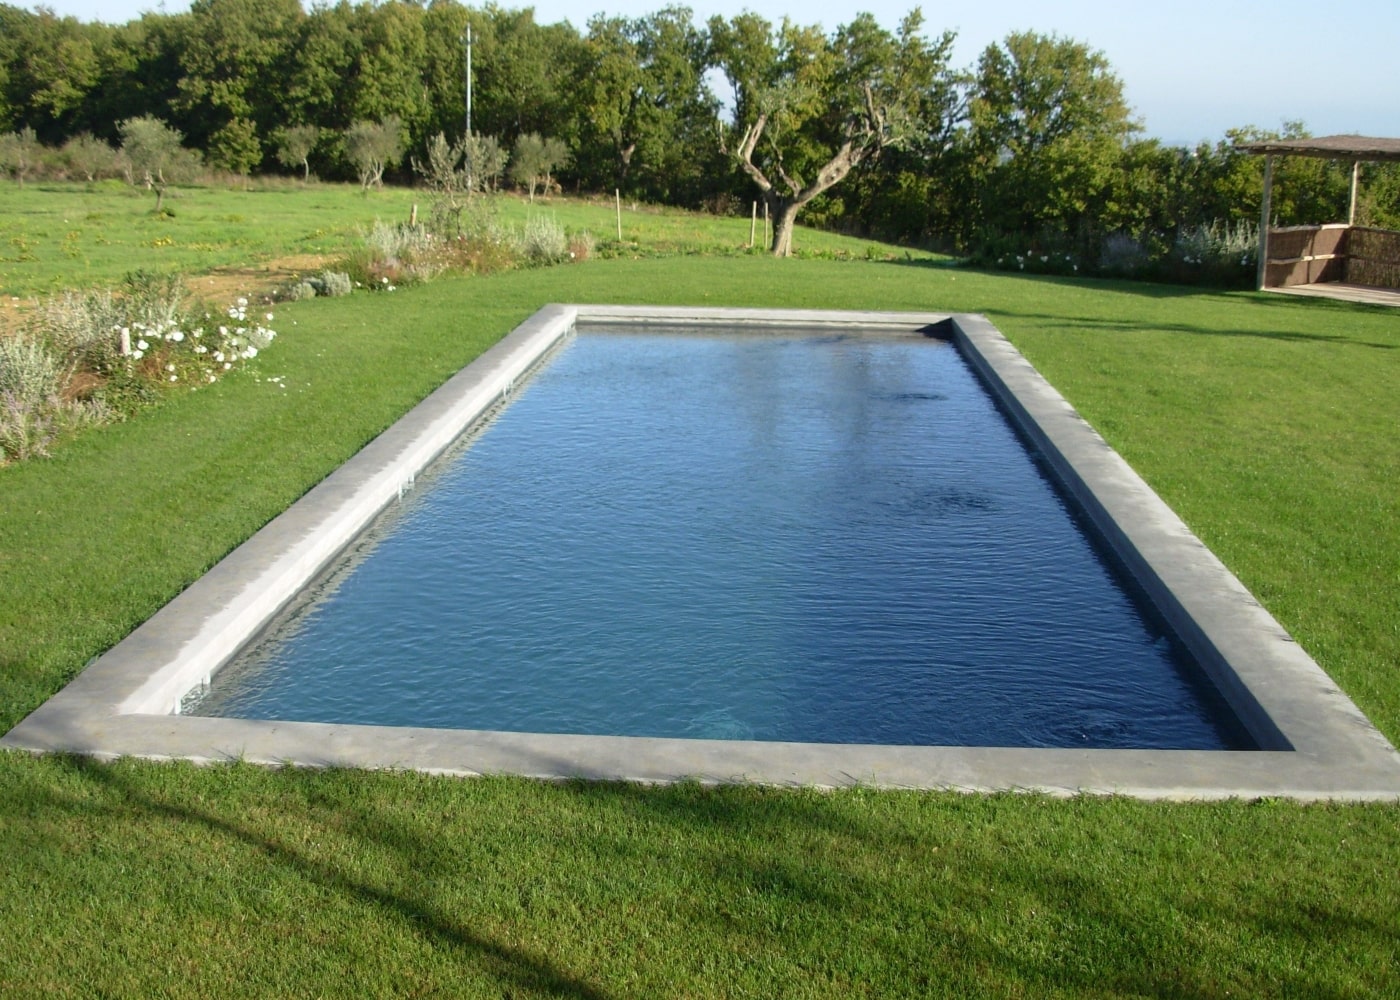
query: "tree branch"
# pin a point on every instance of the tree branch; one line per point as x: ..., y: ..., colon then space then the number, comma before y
x: 744, y: 154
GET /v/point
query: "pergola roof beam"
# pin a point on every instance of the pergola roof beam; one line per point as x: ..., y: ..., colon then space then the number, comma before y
x: 1363, y: 148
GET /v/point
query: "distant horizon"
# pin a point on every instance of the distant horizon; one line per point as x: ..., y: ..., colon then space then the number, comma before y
x: 1190, y: 73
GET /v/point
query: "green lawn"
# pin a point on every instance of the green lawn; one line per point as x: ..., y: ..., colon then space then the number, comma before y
x: 1268, y: 423
x: 55, y: 236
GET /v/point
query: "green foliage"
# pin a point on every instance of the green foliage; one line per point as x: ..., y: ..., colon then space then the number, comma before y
x: 155, y: 154
x: 388, y: 84
x: 235, y: 147
x: 1049, y: 123
x: 88, y: 157
x: 19, y: 152
x: 811, y: 109
x: 448, y: 175
x: 485, y: 160
x: 232, y: 58
x: 527, y: 74
x: 373, y: 146
x: 534, y: 159
x: 294, y: 145
x: 646, y: 115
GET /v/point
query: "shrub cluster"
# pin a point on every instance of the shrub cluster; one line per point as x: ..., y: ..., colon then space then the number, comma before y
x: 87, y: 358
x: 1221, y: 254
x: 330, y: 284
x: 392, y: 256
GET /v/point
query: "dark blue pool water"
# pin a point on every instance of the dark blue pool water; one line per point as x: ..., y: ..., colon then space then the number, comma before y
x: 835, y: 540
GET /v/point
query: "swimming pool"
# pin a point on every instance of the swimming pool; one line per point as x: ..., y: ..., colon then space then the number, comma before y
x: 831, y: 538
x: 1314, y: 742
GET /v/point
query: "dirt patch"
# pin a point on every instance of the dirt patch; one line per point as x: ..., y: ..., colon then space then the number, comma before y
x: 257, y: 282
x: 260, y: 283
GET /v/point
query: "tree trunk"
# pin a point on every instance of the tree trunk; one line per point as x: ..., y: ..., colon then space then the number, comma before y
x: 784, y: 221
x: 845, y: 159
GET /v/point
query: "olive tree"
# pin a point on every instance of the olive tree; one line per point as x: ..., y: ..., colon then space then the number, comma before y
x: 810, y: 108
x: 88, y: 156
x: 155, y: 154
x: 534, y: 159
x: 294, y: 146
x: 373, y: 146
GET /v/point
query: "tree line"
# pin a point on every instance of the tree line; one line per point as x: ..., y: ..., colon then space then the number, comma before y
x: 1031, y: 150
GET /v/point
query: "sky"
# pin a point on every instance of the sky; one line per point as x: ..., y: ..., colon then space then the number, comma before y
x: 1190, y: 68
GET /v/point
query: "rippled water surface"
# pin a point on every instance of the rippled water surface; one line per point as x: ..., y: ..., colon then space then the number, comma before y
x: 834, y: 540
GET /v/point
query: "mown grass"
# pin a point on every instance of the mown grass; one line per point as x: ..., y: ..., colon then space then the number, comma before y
x: 55, y: 236
x: 174, y: 881
x: 1267, y: 423
x: 60, y: 235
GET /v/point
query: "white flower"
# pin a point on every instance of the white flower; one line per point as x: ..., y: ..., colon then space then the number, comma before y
x: 175, y: 335
x: 174, y: 378
x: 170, y: 368
x: 141, y: 345
x: 250, y: 351
x: 228, y: 365
x: 201, y: 349
x: 242, y: 302
x: 269, y: 317
x: 223, y: 331
x: 137, y: 355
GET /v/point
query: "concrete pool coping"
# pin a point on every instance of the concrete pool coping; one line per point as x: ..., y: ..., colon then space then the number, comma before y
x: 1318, y: 745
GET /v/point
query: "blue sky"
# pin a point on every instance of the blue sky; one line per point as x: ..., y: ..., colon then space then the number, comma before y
x: 1190, y: 68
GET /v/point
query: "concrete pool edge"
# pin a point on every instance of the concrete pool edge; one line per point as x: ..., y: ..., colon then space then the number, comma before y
x: 119, y: 706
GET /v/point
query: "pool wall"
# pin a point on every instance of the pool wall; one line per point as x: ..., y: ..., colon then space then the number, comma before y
x: 1315, y: 743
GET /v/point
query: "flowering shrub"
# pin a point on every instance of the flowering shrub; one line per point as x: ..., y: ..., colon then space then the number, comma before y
x: 96, y: 357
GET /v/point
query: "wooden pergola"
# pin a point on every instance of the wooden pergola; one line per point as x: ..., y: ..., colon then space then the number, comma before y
x: 1329, y: 252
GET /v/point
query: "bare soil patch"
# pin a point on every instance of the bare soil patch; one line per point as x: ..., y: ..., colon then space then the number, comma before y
x: 260, y: 282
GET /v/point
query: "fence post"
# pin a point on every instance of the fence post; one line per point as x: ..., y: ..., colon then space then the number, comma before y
x: 1264, y: 208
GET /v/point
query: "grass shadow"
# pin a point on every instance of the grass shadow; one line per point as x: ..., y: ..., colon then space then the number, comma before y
x: 511, y: 966
x: 719, y: 891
